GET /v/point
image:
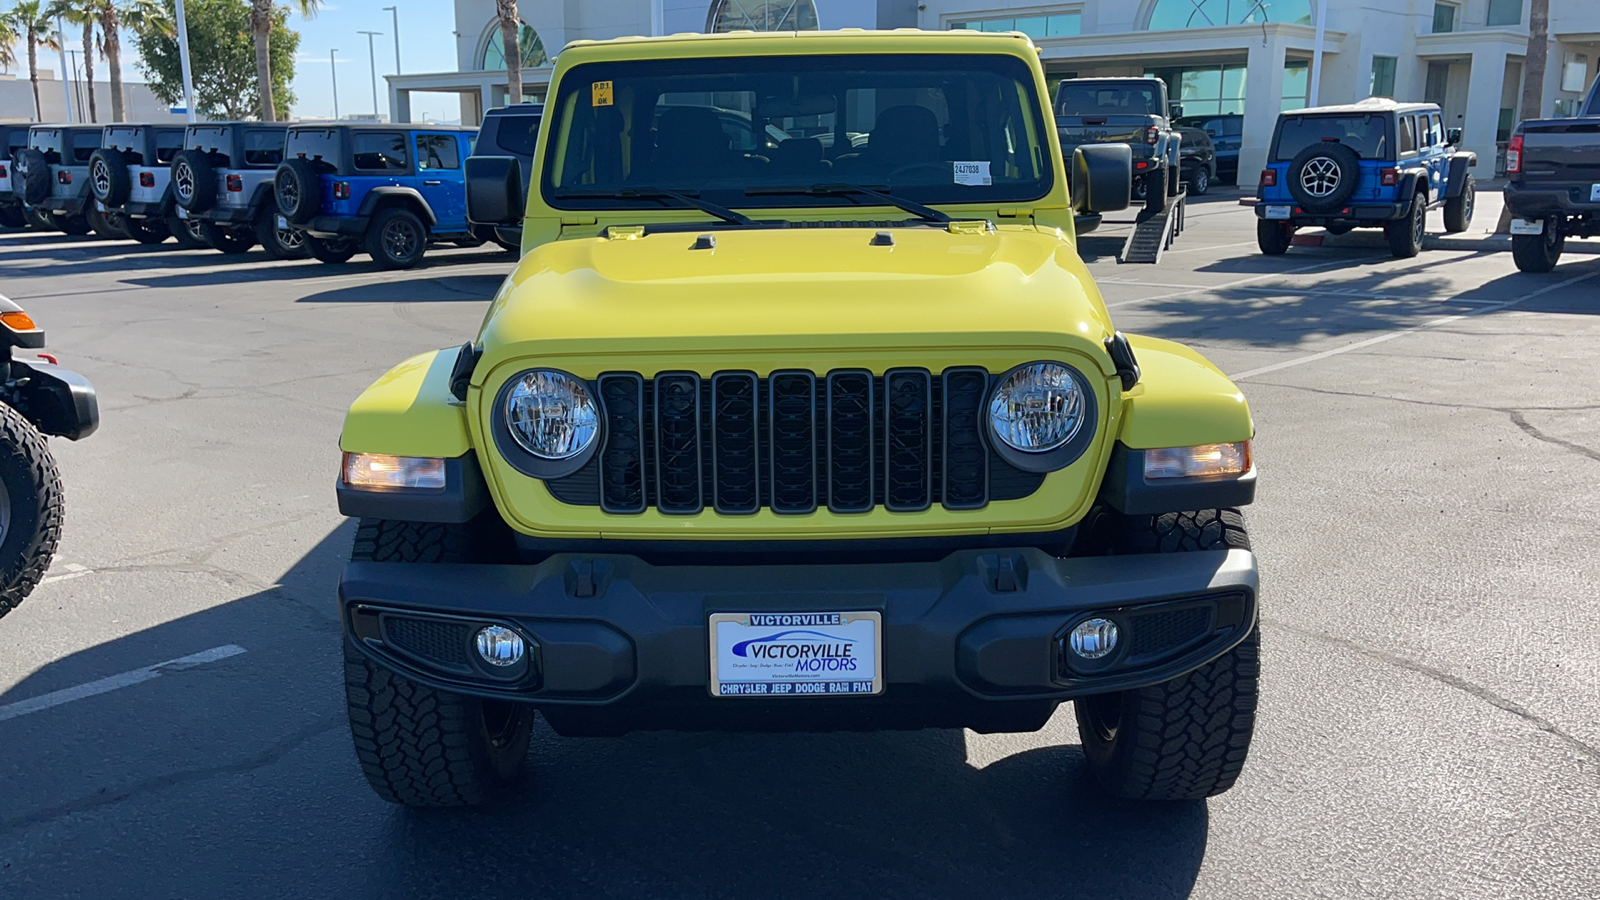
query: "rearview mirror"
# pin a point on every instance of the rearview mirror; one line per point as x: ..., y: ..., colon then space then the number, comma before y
x: 798, y: 107
x: 495, y: 195
x: 1453, y: 136
x: 1102, y: 178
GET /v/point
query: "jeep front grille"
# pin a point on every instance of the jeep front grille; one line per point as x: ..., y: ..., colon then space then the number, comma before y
x: 848, y: 441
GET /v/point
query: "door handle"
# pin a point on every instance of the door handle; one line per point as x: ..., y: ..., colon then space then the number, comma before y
x: 432, y: 183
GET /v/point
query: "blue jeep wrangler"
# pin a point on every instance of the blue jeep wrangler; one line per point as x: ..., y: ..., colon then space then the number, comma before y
x: 1373, y: 164
x: 388, y: 189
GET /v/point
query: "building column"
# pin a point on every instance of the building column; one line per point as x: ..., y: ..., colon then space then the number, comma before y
x: 486, y: 99
x: 1485, y: 84
x: 1263, y: 100
x: 399, y: 105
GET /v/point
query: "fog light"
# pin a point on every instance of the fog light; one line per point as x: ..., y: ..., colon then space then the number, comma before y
x: 1204, y: 461
x: 1090, y: 639
x: 378, y: 472
x: 500, y: 646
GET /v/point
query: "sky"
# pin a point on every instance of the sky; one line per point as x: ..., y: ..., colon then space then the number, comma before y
x: 427, y: 44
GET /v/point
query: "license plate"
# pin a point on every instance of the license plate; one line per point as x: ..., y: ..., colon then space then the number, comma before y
x: 1277, y: 212
x: 183, y: 213
x: 1594, y: 193
x: 813, y: 654
x: 1525, y: 226
x: 282, y: 222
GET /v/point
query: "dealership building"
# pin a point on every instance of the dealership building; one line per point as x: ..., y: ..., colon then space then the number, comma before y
x: 1250, y: 58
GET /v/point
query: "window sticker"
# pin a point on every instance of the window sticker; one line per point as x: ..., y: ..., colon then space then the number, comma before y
x: 974, y: 173
x: 601, y: 93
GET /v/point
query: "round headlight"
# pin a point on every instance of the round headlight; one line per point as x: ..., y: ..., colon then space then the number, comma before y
x: 1038, y: 407
x: 552, y: 414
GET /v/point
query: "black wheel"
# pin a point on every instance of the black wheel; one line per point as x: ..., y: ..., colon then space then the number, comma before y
x: 1405, y: 235
x: 190, y: 234
x: 113, y: 226
x: 38, y: 218
x: 36, y: 178
x: 1155, y: 189
x: 420, y: 746
x: 194, y: 181
x: 280, y: 243
x: 1184, y: 739
x: 299, y: 191
x: 1324, y: 175
x: 1539, y: 252
x: 1273, y: 237
x: 397, y: 239
x: 11, y: 216
x: 335, y: 251
x: 148, y: 230
x: 1199, y: 178
x: 227, y: 238
x: 1458, y: 209
x: 77, y: 225
x: 108, y: 177
x: 30, y: 508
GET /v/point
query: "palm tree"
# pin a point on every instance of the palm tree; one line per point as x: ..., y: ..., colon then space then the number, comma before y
x: 510, y: 40
x: 138, y: 16
x: 8, y: 37
x: 261, y: 21
x: 29, y: 19
x: 85, y: 13
x: 1538, y: 59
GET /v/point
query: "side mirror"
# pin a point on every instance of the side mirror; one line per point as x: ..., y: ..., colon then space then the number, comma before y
x: 495, y: 195
x: 1453, y: 136
x: 1102, y: 178
x: 1174, y: 110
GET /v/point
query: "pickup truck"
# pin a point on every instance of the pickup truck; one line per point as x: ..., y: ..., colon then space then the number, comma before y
x: 1130, y: 111
x: 1554, y: 187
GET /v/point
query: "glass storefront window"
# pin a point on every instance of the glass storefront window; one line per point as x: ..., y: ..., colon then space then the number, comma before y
x: 763, y: 15
x: 1173, y: 15
x: 1296, y: 84
x: 1058, y: 25
x: 1211, y: 90
x: 494, y: 55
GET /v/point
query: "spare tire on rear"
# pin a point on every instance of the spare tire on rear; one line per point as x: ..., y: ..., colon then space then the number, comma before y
x: 194, y: 181
x: 1324, y: 176
x: 299, y: 191
x: 108, y: 177
x: 35, y: 176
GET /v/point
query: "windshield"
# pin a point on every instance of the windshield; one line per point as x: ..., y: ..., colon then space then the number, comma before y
x: 1368, y: 135
x: 1090, y: 99
x: 929, y: 128
x: 320, y: 147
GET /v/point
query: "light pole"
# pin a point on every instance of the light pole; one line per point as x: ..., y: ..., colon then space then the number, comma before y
x: 373, y: 61
x: 66, y: 75
x: 333, y: 67
x: 396, y: 11
x: 183, y: 58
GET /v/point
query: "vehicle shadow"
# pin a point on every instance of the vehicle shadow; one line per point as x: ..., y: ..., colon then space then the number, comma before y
x: 437, y: 289
x: 258, y: 270
x: 241, y: 771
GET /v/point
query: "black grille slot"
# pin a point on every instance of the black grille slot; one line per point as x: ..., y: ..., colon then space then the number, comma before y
x: 1166, y: 631
x: 850, y: 433
x: 622, y: 458
x: 735, y: 449
x: 443, y: 644
x: 677, y: 417
x: 908, y: 441
x: 966, y: 458
x: 793, y: 433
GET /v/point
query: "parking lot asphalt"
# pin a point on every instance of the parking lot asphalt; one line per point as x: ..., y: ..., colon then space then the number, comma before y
x: 171, y: 718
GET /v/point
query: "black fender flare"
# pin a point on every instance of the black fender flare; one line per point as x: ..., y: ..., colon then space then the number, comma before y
x: 1411, y: 184
x: 264, y: 196
x: 57, y: 401
x: 408, y: 196
x: 1459, y: 164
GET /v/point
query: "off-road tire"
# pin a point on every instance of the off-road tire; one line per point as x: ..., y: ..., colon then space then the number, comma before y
x: 1405, y: 235
x: 279, y: 243
x: 1345, y: 167
x: 39, y: 219
x: 111, y: 226
x: 109, y: 181
x: 12, y: 217
x: 1458, y: 209
x: 33, y: 494
x: 1539, y: 252
x: 1199, y: 179
x: 75, y: 225
x: 1273, y: 237
x: 298, y: 190
x: 36, y: 176
x: 334, y: 251
x: 419, y: 746
x: 230, y: 239
x: 1184, y: 739
x: 194, y: 181
x: 397, y: 239
x: 184, y: 231
x: 149, y: 230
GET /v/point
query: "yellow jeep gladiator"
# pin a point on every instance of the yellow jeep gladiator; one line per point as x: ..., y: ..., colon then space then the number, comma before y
x: 800, y: 412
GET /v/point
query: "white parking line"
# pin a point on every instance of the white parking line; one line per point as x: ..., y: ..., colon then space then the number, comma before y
x: 70, y: 570
x: 116, y: 682
x: 1389, y: 336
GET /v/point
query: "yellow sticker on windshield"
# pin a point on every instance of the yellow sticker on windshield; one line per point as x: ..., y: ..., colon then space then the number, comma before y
x: 602, y: 93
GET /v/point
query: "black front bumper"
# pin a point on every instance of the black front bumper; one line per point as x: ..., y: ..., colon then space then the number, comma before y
x: 338, y: 226
x: 1353, y: 215
x: 972, y: 640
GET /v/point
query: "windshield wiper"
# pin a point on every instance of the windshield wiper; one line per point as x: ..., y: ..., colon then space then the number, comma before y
x: 926, y: 213
x: 655, y: 193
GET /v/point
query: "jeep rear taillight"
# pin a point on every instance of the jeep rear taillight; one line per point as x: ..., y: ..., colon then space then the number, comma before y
x: 1514, y: 156
x: 1269, y: 177
x: 2, y: 171
x: 341, y: 190
x: 1152, y: 134
x: 1391, y: 177
x: 64, y: 177
x: 235, y: 183
x: 147, y: 180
